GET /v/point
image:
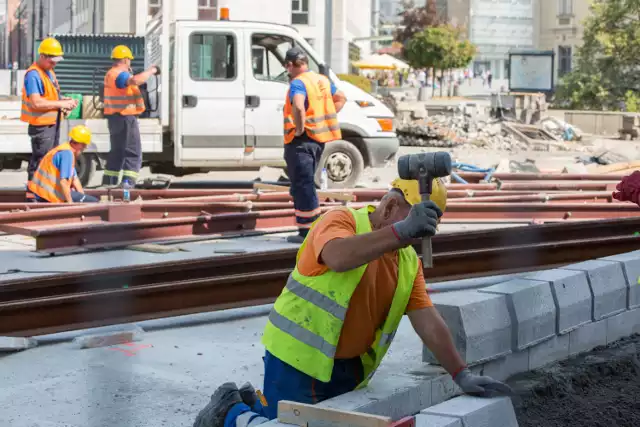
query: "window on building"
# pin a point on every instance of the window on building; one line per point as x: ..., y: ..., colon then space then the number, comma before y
x: 565, y: 7
x: 564, y: 60
x: 212, y: 56
x: 300, y: 12
x: 207, y: 10
x: 268, y: 52
x: 154, y: 7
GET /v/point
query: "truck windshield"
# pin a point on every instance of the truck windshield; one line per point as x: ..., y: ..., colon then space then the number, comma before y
x: 268, y: 51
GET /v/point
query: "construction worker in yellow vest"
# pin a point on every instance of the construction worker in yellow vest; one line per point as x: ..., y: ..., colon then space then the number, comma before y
x: 310, y: 121
x: 42, y: 104
x: 123, y: 103
x: 356, y: 276
x: 56, y: 179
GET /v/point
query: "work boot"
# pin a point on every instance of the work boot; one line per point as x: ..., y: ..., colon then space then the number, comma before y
x: 249, y: 395
x: 110, y: 181
x: 214, y: 413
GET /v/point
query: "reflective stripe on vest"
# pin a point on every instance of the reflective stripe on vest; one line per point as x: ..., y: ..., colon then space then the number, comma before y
x: 305, y: 323
x: 321, y: 122
x: 29, y: 113
x: 127, y: 101
x: 46, y: 180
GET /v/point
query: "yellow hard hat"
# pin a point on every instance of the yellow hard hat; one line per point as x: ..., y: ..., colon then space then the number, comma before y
x: 51, y: 47
x: 80, y: 134
x: 121, y: 52
x: 411, y: 191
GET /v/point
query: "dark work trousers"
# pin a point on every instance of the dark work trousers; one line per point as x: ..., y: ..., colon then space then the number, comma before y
x: 43, y: 140
x: 126, y: 150
x: 76, y: 196
x: 302, y: 156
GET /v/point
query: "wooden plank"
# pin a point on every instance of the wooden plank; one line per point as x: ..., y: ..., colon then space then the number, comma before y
x: 304, y: 415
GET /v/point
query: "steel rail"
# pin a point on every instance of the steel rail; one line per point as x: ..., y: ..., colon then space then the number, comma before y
x: 474, y: 177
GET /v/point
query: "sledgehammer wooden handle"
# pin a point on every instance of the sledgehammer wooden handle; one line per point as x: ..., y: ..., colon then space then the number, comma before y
x: 427, y: 252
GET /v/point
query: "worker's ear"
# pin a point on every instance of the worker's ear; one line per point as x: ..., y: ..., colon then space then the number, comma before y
x: 390, y: 208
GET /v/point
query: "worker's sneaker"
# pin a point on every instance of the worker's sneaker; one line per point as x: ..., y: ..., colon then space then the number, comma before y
x: 297, y: 239
x: 224, y: 398
x: 249, y: 395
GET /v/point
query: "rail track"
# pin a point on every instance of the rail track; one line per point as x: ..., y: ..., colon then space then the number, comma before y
x: 70, y: 301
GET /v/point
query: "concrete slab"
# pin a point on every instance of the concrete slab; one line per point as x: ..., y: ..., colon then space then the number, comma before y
x: 479, y: 322
x: 532, y: 310
x: 551, y: 351
x: 477, y: 412
x: 623, y: 325
x: 572, y: 297
x: 423, y: 420
x: 608, y: 286
x: 631, y: 268
x: 588, y: 337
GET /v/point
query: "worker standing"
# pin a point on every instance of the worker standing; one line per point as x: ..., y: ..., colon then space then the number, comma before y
x: 310, y: 121
x: 123, y: 103
x: 56, y: 179
x: 356, y: 275
x: 42, y: 104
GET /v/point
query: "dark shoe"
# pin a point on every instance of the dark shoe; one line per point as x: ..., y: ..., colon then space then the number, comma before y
x: 110, y: 181
x: 126, y: 183
x: 297, y: 239
x: 249, y: 395
x: 222, y: 400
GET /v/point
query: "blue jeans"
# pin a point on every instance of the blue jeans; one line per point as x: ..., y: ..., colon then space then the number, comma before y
x: 284, y: 382
x: 75, y: 196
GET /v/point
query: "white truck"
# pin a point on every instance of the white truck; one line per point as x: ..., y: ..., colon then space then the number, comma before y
x: 219, y: 101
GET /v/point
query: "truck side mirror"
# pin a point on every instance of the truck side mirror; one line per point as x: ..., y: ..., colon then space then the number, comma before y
x: 324, y: 70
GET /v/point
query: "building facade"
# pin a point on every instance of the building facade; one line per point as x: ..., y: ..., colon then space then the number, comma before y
x: 559, y: 27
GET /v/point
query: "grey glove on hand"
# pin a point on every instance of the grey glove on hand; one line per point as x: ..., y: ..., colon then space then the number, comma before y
x: 476, y: 385
x: 421, y: 221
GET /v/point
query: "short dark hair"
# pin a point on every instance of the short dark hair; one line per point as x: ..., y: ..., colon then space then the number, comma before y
x: 296, y: 56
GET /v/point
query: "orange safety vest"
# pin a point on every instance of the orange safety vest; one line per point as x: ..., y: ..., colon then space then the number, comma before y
x: 32, y: 115
x: 127, y: 101
x: 321, y: 118
x: 46, y: 180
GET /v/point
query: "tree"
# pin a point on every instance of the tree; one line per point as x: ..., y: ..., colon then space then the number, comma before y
x: 416, y: 19
x: 606, y: 74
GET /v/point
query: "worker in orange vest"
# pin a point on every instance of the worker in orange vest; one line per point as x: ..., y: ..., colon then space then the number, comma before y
x: 42, y: 104
x: 123, y: 103
x: 56, y: 179
x: 310, y: 121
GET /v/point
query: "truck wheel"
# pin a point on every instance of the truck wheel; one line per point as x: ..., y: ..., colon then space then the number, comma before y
x: 344, y: 164
x: 86, y: 167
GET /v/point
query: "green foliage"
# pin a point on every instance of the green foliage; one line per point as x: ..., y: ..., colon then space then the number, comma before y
x: 441, y: 47
x: 414, y: 20
x: 359, y: 81
x: 606, y: 68
x: 632, y: 102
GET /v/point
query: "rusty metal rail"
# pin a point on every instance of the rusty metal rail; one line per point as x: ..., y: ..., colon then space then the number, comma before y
x: 69, y: 301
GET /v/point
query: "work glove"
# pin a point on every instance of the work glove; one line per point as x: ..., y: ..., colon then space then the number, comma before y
x: 481, y: 386
x: 422, y: 221
x: 628, y: 190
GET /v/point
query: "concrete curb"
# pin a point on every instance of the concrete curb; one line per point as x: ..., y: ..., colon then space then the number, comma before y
x: 477, y: 412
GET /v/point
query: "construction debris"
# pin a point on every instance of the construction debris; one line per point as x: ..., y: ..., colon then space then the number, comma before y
x: 10, y: 344
x: 108, y: 338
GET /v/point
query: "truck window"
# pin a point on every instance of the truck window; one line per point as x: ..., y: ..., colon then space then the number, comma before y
x: 212, y: 56
x: 268, y: 51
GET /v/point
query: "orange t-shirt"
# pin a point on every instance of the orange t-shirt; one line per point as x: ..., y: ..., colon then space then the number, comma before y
x: 372, y: 298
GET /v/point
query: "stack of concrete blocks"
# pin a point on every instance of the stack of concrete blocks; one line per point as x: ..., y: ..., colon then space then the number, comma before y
x: 545, y: 317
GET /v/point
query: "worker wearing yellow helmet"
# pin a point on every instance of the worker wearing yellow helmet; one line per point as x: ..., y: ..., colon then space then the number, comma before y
x: 123, y: 103
x: 56, y: 179
x: 43, y: 105
x: 356, y: 276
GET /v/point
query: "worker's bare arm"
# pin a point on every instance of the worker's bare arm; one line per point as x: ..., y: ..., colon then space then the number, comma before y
x: 77, y: 185
x: 351, y: 252
x: 339, y: 100
x: 41, y: 103
x: 66, y: 190
x: 299, y: 113
x: 141, y: 78
x: 435, y: 334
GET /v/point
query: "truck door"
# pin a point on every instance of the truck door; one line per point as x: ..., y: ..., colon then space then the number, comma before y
x: 210, y: 99
x: 267, y: 83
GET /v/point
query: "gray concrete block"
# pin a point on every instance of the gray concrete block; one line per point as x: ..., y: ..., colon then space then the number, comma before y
x: 572, y: 296
x: 479, y: 322
x: 631, y: 268
x: 505, y: 367
x: 8, y: 344
x: 553, y: 350
x: 423, y: 420
x: 443, y: 388
x: 608, y: 286
x: 532, y: 310
x: 588, y: 337
x: 623, y: 325
x: 477, y: 412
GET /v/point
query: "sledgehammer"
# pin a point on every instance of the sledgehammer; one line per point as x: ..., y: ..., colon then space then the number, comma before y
x: 424, y: 167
